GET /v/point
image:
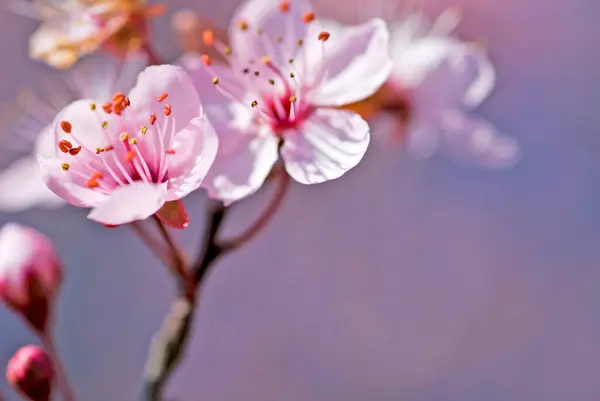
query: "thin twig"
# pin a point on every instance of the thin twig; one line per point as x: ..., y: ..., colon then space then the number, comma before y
x: 157, y: 248
x: 177, y: 260
x: 62, y: 380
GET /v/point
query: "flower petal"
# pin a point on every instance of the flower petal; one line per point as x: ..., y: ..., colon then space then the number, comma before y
x: 475, y: 141
x: 483, y: 84
x: 245, y: 157
x: 23, y: 187
x: 267, y: 16
x: 128, y: 203
x: 195, y: 150
x: 329, y: 144
x: 354, y: 61
x: 153, y: 82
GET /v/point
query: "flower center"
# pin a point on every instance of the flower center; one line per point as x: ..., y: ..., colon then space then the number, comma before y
x: 132, y: 151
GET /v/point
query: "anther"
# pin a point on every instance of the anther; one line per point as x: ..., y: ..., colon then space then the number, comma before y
x: 133, y: 141
x: 170, y: 151
x: 278, y: 39
x: 299, y: 41
x: 124, y: 136
x: 256, y: 73
x: 97, y: 175
x: 293, y: 99
x: 254, y: 103
x: 284, y: 6
x: 208, y: 37
x: 92, y: 106
x: 92, y: 183
x: 167, y: 110
x: 265, y: 59
x: 227, y: 50
x: 215, y: 81
x: 243, y: 25
x: 292, y: 75
x: 108, y: 148
x: 206, y: 60
x: 65, y: 146
x: 107, y: 107
x: 66, y: 126
x: 323, y: 36
x: 65, y: 166
x: 291, y: 61
x: 104, y: 124
x: 118, y: 98
x: 162, y: 97
x: 99, y: 150
x: 129, y: 156
x: 272, y: 82
x: 144, y: 129
x: 152, y: 118
x: 75, y: 151
x: 308, y: 17
x: 246, y: 70
x: 127, y: 102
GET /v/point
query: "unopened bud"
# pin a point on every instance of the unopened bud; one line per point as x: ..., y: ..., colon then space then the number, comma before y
x: 30, y: 273
x: 31, y: 373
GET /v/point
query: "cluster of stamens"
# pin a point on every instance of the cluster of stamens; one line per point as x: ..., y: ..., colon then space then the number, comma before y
x: 93, y: 170
x: 280, y: 110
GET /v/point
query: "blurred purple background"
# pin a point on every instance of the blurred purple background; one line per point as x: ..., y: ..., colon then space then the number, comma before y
x: 402, y: 280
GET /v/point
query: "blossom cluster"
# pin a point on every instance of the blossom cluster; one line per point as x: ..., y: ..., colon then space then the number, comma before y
x: 282, y: 93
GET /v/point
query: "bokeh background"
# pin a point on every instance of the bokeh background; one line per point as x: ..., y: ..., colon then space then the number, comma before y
x: 404, y: 280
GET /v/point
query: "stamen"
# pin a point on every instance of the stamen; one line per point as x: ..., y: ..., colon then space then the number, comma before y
x: 92, y: 106
x: 254, y: 103
x: 66, y: 126
x: 129, y: 156
x: 308, y: 17
x: 118, y: 98
x: 227, y: 50
x: 206, y: 60
x: 170, y: 151
x: 246, y: 70
x: 167, y: 110
x: 124, y: 136
x: 127, y: 102
x: 133, y: 141
x: 271, y: 81
x: 109, y: 148
x: 144, y: 129
x: 92, y: 183
x: 107, y: 107
x: 104, y: 124
x: 323, y: 36
x: 208, y: 37
x: 299, y: 41
x: 65, y: 166
x: 152, y: 118
x: 65, y: 146
x: 284, y: 6
x: 215, y: 81
x: 162, y: 97
x: 99, y: 150
x: 243, y: 25
x: 75, y: 151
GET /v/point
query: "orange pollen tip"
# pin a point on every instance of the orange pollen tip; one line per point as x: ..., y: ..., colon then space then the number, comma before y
x: 170, y: 151
x: 309, y: 17
x: 75, y: 151
x: 99, y: 150
x: 243, y: 25
x: 107, y: 107
x: 92, y: 183
x: 109, y: 147
x: 65, y: 146
x: 129, y: 156
x: 124, y: 136
x: 97, y: 175
x: 208, y: 37
x: 66, y: 126
x: 265, y: 59
x: 152, y: 118
x: 167, y: 110
x: 323, y: 36
x: 284, y: 6
x: 119, y: 97
x: 293, y: 98
x: 206, y: 60
x: 65, y: 166
x: 162, y: 97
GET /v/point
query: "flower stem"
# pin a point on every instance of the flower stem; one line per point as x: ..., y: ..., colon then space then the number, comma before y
x: 61, y: 377
x: 152, y: 243
x: 169, y: 343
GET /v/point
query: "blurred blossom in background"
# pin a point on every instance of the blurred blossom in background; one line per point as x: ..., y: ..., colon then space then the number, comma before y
x: 405, y: 279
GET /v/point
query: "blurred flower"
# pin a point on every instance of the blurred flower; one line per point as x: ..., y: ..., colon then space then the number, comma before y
x: 31, y: 373
x: 435, y: 81
x: 278, y: 95
x: 74, y: 28
x: 188, y: 27
x: 30, y: 273
x: 129, y: 156
x: 26, y: 119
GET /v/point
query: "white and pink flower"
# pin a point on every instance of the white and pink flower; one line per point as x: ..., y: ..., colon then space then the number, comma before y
x: 130, y: 156
x: 280, y: 95
x: 27, y: 124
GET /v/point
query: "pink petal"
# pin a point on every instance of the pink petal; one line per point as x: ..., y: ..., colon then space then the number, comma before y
x: 23, y: 187
x: 355, y: 62
x: 128, y: 203
x: 266, y: 15
x: 195, y: 150
x: 245, y: 157
x: 472, y: 140
x: 174, y: 215
x: 155, y: 81
x: 330, y: 143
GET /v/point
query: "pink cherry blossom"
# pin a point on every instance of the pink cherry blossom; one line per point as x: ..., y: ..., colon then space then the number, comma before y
x: 30, y: 273
x: 280, y: 94
x: 28, y: 124
x: 30, y: 371
x: 436, y: 81
x: 127, y: 157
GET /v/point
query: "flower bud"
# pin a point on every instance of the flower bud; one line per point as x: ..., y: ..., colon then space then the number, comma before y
x: 30, y: 372
x: 30, y: 273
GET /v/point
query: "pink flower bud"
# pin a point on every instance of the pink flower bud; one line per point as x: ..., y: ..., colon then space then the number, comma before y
x: 30, y: 273
x: 30, y: 372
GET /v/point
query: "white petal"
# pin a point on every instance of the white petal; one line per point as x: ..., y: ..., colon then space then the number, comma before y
x: 354, y: 61
x: 329, y: 144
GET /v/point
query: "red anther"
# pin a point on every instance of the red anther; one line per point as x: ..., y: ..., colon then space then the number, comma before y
x: 206, y: 60
x: 118, y: 98
x: 75, y: 151
x: 66, y: 126
x: 162, y: 97
x: 107, y: 107
x: 208, y: 37
x: 92, y: 183
x: 323, y: 36
x: 309, y: 17
x: 167, y: 110
x: 152, y: 118
x: 170, y: 151
x: 284, y: 6
x: 65, y: 146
